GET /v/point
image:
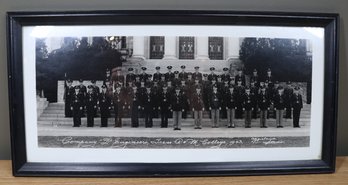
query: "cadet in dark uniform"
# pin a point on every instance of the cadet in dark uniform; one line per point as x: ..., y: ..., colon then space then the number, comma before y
x: 269, y: 78
x: 226, y: 77
x: 156, y: 90
x: 288, y: 92
x: 215, y: 106
x: 240, y: 91
x: 77, y: 106
x: 176, y: 80
x: 165, y: 99
x: 184, y: 91
x: 143, y: 75
x: 183, y: 74
x: 197, y: 105
x: 177, y: 103
x: 68, y: 92
x: 279, y: 105
x: 248, y: 107
x: 148, y: 107
x: 206, y: 91
x: 137, y: 81
x: 254, y: 91
x: 149, y: 82
x: 197, y: 74
x: 255, y: 78
x: 82, y: 88
x: 104, y: 106
x: 212, y: 76
x: 91, y: 106
x: 162, y: 81
x: 230, y: 99
x: 157, y: 75
x: 130, y: 77
x: 297, y: 105
x: 169, y: 75
x: 118, y: 100
x: 119, y: 78
x: 96, y: 92
x: 135, y: 107
x: 263, y: 103
x: 240, y: 77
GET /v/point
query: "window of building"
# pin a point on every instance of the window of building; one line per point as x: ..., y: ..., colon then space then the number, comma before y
x: 156, y: 47
x: 186, y: 47
x: 216, y: 48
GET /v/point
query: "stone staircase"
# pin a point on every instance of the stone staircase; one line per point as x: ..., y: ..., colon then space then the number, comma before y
x: 54, y: 115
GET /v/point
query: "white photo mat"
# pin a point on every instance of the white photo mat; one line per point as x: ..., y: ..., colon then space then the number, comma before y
x: 36, y: 154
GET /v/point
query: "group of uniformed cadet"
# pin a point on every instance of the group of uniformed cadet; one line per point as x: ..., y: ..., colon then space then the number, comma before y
x: 179, y: 94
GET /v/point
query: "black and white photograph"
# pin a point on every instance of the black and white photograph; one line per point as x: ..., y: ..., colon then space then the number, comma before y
x: 166, y: 92
x: 158, y: 94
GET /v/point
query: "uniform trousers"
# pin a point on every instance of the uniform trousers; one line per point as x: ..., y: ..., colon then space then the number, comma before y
x: 247, y: 118
x: 296, y: 115
x: 279, y: 117
x: 215, y: 115
x: 263, y: 116
x: 230, y: 117
x: 177, y: 115
x: 198, y: 118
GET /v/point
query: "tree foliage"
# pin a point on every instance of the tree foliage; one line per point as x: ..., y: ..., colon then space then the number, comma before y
x: 74, y: 60
x: 287, y: 58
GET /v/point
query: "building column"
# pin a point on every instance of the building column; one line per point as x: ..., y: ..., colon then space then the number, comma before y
x: 138, y: 47
x: 202, y: 48
x: 233, y: 45
x: 169, y: 48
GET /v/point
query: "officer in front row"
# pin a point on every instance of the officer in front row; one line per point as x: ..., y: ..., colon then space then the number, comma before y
x: 68, y: 92
x: 77, y: 106
x: 177, y: 103
x: 165, y: 98
x: 91, y: 106
x: 263, y: 104
x: 296, y: 102
x: 215, y: 106
x: 104, y: 106
x: 197, y: 105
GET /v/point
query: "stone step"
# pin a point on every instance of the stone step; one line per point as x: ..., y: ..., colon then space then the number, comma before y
x: 185, y: 122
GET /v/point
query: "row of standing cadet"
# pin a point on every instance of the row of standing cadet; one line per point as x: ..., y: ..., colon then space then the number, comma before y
x: 151, y: 97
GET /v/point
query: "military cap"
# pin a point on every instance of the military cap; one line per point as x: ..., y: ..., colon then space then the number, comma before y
x: 297, y: 88
x: 169, y: 67
x: 268, y: 70
x: 182, y: 67
x: 196, y: 67
x: 148, y: 87
x: 130, y: 69
x: 149, y: 75
x: 218, y: 76
x: 254, y: 70
x: 80, y: 80
x: 288, y: 82
x: 205, y: 75
x: 178, y: 88
x: 143, y: 68
x: 90, y: 87
x: 225, y: 69
x: 176, y: 72
x: 77, y: 88
x: 189, y: 74
x: 215, y: 86
x: 212, y: 68
x: 158, y: 67
x: 247, y: 88
x: 164, y: 87
x: 198, y: 87
x: 92, y: 81
x: 69, y: 81
x: 103, y: 86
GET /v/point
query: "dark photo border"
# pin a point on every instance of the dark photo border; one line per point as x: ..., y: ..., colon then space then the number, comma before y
x: 21, y: 167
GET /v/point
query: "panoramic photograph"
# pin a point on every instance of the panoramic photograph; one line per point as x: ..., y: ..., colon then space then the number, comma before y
x: 173, y: 92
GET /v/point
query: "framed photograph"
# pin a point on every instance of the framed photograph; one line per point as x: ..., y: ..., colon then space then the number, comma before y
x: 172, y: 93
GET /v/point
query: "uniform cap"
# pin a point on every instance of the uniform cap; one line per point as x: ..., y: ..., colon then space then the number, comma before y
x: 182, y: 67
x: 297, y: 88
x: 205, y: 75
x: 93, y: 81
x: 225, y: 69
x: 143, y: 68
x: 176, y: 72
x: 69, y: 81
x: 268, y: 70
x: 254, y: 70
x: 196, y: 67
x: 158, y: 67
x: 90, y: 87
x: 130, y: 69
x: 103, y: 86
x: 212, y: 68
x: 169, y: 67
x: 80, y: 80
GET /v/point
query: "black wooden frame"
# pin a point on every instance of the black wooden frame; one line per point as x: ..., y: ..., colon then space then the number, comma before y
x: 16, y: 20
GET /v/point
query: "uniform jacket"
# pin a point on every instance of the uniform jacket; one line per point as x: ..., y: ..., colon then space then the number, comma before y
x: 279, y: 102
x: 197, y: 102
x: 263, y: 101
x: 177, y: 102
x: 215, y: 100
x: 296, y: 101
x: 230, y: 99
x: 248, y: 101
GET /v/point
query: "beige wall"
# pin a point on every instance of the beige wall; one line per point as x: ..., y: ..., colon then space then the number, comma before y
x: 333, y: 6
